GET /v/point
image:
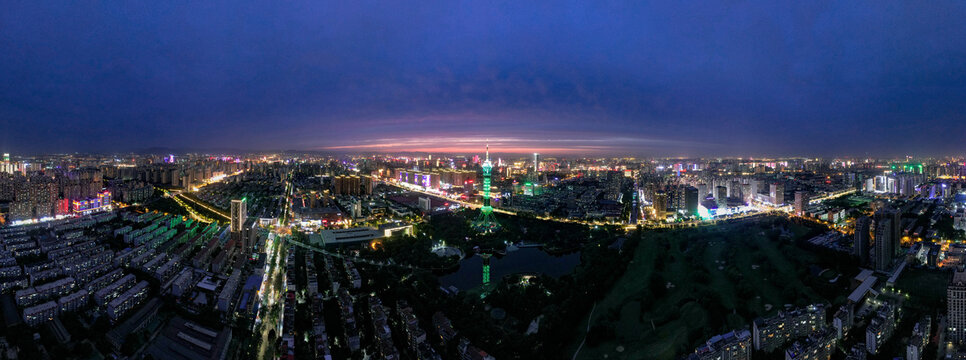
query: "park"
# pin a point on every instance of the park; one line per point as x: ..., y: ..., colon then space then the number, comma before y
x: 684, y: 286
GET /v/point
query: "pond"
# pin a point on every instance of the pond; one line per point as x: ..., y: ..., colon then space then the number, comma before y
x: 525, y: 260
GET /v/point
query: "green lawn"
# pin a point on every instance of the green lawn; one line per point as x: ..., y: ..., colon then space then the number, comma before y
x: 926, y: 288
x: 720, y: 279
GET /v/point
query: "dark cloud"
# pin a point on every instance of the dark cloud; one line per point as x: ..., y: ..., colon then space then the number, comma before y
x: 751, y: 77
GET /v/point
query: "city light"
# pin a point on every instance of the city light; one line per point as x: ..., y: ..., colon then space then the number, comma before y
x: 480, y: 180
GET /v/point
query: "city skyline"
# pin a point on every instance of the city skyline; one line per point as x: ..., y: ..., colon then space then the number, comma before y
x: 816, y: 79
x: 435, y: 180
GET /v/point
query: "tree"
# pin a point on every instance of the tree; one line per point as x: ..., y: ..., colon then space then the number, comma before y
x: 599, y: 334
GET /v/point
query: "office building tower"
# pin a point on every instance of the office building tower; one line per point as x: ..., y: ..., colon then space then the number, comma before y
x: 536, y: 164
x: 721, y: 196
x: 860, y: 247
x: 239, y: 213
x: 956, y: 309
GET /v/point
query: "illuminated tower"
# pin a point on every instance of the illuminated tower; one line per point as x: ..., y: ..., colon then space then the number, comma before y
x: 486, y: 269
x: 486, y: 222
x: 536, y: 164
x: 534, y: 184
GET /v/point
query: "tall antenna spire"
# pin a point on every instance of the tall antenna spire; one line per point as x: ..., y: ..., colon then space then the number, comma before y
x: 486, y: 223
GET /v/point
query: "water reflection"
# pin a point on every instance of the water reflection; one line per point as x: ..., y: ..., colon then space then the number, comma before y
x: 526, y: 260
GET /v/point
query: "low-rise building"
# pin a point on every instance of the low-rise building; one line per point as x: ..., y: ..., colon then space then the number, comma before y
x: 115, y: 289
x: 39, y: 314
x: 182, y: 339
x: 127, y: 301
x: 469, y: 351
x: 182, y: 283
x: 73, y: 302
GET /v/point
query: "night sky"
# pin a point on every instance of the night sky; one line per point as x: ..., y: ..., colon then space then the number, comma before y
x: 641, y: 77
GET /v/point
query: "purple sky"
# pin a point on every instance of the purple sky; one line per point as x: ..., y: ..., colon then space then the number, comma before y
x: 639, y: 77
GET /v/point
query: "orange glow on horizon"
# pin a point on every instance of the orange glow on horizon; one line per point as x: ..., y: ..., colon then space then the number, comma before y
x: 464, y: 149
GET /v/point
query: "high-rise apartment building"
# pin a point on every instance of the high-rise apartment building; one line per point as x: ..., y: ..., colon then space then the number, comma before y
x: 691, y: 200
x: 884, y: 252
x: 895, y: 231
x: 239, y: 213
x: 353, y: 184
x: 721, y: 196
x: 956, y: 309
x: 860, y: 246
x: 660, y: 205
x: 777, y: 193
x: 801, y: 202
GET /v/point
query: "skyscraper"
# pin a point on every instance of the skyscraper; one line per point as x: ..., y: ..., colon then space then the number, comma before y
x: 860, y: 247
x: 721, y: 196
x: 536, y: 164
x: 956, y: 309
x: 777, y: 194
x: 239, y: 213
x: 486, y: 222
x: 691, y: 200
x: 734, y: 190
x: 703, y: 191
x: 352, y: 184
x: 895, y: 230
x: 801, y: 201
x: 660, y: 205
x: 884, y: 253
